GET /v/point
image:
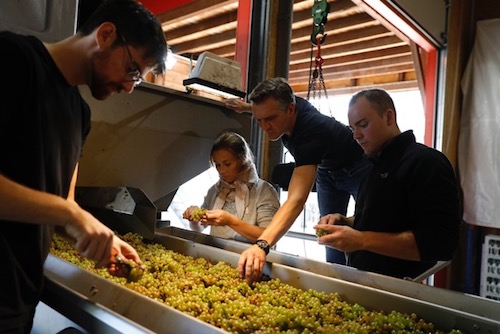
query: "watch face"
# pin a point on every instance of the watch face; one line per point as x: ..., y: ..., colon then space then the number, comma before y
x: 264, y: 245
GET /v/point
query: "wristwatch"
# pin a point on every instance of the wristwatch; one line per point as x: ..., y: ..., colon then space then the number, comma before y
x: 264, y: 245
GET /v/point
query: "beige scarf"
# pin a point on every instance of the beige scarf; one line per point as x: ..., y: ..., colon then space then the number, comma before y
x: 241, y: 186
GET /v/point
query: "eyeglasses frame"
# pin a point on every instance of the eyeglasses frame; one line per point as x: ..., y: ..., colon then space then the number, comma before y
x: 135, y: 75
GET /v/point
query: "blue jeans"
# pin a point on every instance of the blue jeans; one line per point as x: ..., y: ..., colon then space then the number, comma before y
x: 334, y: 188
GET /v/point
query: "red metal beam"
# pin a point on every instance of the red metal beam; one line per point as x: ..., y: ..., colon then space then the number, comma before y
x: 243, y: 38
x: 156, y: 6
x: 430, y: 72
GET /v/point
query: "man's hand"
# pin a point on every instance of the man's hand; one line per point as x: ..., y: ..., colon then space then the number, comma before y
x: 341, y: 237
x: 238, y: 105
x: 93, y: 239
x: 335, y: 219
x: 336, y: 232
x: 125, y: 250
x: 123, y: 268
x: 251, y: 263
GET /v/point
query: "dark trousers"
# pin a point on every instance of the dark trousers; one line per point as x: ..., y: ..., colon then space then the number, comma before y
x: 334, y: 188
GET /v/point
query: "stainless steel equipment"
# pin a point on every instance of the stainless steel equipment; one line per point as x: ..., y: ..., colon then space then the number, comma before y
x: 154, y: 139
x: 450, y: 299
x: 50, y: 20
x: 83, y: 291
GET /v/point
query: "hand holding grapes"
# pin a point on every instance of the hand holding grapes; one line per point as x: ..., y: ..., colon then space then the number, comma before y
x: 335, y: 230
x: 194, y: 213
x: 217, y: 218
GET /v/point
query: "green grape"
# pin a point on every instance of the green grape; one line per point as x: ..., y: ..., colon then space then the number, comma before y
x: 135, y: 274
x: 198, y: 213
x: 320, y: 232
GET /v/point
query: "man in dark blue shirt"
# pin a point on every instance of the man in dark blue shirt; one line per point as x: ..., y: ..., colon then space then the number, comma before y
x: 324, y: 151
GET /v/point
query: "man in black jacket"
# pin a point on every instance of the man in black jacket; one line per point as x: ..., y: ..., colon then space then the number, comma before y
x: 407, y: 214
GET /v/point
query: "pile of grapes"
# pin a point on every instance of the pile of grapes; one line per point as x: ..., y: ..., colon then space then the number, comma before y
x: 215, y: 294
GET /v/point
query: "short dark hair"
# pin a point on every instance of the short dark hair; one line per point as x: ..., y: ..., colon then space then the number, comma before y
x: 234, y: 143
x: 278, y: 88
x: 136, y: 23
x: 379, y: 99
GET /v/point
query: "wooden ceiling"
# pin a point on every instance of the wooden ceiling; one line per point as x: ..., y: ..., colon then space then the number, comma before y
x: 359, y: 51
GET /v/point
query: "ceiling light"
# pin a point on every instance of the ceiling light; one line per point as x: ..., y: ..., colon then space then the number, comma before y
x: 216, y: 75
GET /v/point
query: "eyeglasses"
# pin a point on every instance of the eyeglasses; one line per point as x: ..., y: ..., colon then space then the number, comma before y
x: 134, y: 75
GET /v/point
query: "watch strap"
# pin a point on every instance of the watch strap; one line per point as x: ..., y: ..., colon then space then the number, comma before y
x: 264, y: 245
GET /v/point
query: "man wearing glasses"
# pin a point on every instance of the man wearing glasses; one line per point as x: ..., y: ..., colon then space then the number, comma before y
x: 43, y: 125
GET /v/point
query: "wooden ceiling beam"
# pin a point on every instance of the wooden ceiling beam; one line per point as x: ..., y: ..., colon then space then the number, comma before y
x: 384, y: 11
x: 397, y: 71
x: 346, y: 87
x: 338, y: 9
x: 226, y: 51
x: 353, y: 22
x: 195, y: 12
x: 358, y: 58
x: 370, y: 68
x: 213, y: 25
x: 206, y: 43
x: 359, y: 51
x: 350, y: 49
x: 358, y: 35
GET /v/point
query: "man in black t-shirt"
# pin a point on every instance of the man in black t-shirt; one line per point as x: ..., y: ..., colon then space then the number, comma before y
x: 324, y: 151
x: 44, y: 122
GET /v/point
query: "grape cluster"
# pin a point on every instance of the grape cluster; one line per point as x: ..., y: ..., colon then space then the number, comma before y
x: 197, y: 214
x: 215, y: 294
x: 321, y: 232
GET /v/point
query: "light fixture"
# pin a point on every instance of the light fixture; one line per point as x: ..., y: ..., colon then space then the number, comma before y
x: 215, y: 75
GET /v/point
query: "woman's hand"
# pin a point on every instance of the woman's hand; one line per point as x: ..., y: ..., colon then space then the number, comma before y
x: 218, y: 218
x: 189, y: 213
x: 195, y: 223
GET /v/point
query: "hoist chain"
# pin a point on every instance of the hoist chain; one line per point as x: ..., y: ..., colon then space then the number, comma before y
x: 317, y: 82
x: 320, y: 11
